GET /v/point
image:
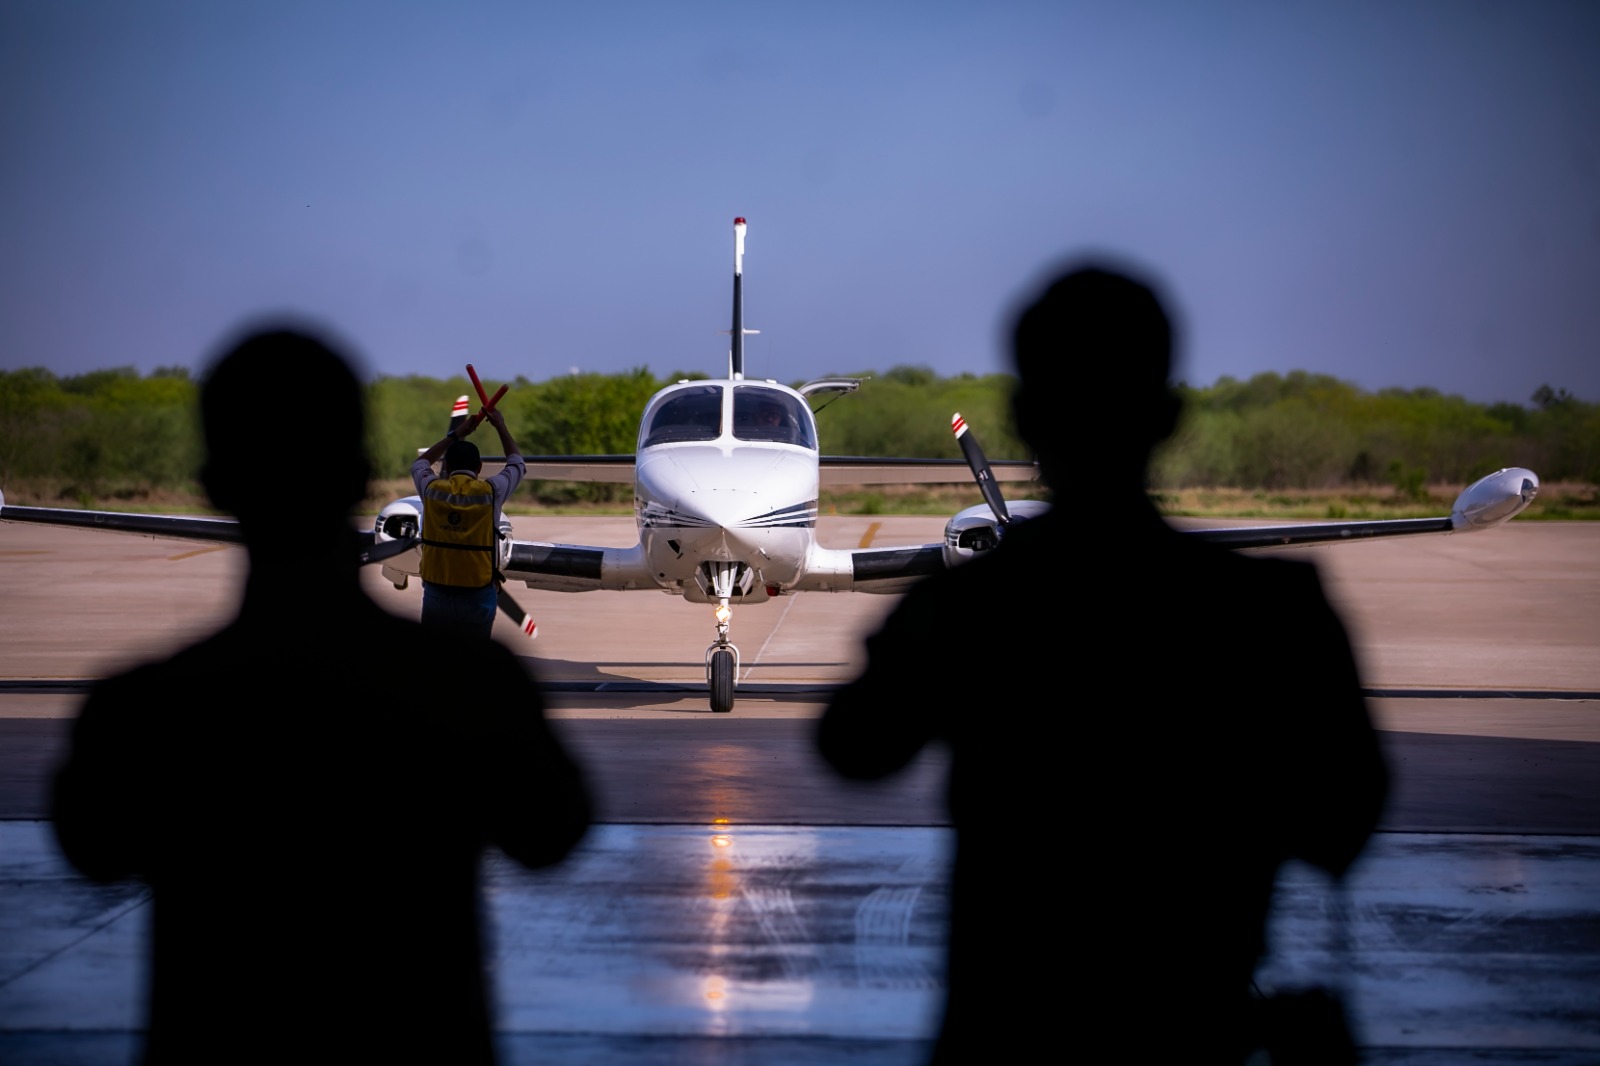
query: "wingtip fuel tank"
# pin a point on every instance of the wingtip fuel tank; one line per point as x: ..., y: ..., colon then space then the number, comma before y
x: 1496, y: 498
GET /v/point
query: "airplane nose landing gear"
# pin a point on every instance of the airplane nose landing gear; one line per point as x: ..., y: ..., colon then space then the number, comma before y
x: 722, y: 670
x: 722, y: 658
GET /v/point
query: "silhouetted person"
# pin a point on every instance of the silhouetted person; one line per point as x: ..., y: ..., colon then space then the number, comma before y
x: 309, y: 791
x: 1142, y: 727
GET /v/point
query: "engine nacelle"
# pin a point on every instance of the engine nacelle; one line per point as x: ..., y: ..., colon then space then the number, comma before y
x: 975, y: 530
x: 402, y: 519
x: 398, y: 521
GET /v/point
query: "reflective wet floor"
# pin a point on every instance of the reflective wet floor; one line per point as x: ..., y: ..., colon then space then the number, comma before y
x: 1472, y: 926
x: 795, y: 945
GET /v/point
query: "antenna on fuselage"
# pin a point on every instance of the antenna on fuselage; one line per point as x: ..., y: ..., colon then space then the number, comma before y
x: 736, y: 352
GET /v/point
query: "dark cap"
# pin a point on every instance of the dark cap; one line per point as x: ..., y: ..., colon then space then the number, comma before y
x: 462, y: 455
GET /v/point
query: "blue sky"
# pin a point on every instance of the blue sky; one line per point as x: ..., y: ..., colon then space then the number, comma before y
x: 1397, y: 194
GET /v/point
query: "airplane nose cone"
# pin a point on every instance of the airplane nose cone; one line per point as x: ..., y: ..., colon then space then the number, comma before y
x: 723, y: 515
x: 726, y: 509
x: 726, y: 506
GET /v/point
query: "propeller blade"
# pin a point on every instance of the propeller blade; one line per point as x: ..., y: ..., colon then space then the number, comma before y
x: 980, y: 468
x: 377, y: 553
x: 458, y: 414
x: 524, y: 621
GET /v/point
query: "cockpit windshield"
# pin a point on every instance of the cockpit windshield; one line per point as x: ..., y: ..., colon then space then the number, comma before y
x: 688, y: 414
x: 767, y: 414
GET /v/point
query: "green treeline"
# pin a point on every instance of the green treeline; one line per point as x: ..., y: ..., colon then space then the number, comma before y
x: 105, y: 429
x: 1305, y: 431
x: 117, y: 433
x: 904, y: 412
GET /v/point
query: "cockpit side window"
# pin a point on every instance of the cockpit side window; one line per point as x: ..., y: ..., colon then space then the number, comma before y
x: 689, y: 414
x: 767, y: 414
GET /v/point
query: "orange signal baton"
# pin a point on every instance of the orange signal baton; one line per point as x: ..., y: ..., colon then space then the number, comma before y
x: 488, y: 401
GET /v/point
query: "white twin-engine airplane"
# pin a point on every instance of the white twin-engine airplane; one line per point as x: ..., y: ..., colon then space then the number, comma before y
x: 726, y: 478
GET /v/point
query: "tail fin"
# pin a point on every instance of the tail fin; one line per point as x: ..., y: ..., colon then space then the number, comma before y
x: 736, y: 351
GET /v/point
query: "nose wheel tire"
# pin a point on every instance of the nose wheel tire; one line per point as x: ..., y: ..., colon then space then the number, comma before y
x: 720, y: 673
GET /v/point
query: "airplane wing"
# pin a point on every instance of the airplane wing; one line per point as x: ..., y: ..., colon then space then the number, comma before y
x: 219, y: 530
x: 835, y: 470
x: 1243, y: 538
x: 902, y: 565
x: 580, y: 568
x: 1488, y: 502
x: 183, y: 527
x: 552, y: 567
x: 839, y: 470
x: 1485, y: 504
x: 879, y: 570
x: 604, y: 468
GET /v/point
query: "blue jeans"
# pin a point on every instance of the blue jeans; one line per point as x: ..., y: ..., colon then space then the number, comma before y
x: 466, y: 611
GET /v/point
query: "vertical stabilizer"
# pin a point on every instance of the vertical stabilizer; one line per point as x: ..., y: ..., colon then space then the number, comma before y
x: 736, y: 351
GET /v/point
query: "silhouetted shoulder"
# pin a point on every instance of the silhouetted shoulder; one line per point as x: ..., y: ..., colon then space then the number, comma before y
x: 393, y: 716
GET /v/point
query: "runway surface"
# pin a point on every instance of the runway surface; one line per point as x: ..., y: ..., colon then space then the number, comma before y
x: 741, y: 905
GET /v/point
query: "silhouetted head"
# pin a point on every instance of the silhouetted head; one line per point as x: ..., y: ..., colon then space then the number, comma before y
x: 1093, y: 353
x: 462, y: 455
x: 254, y: 399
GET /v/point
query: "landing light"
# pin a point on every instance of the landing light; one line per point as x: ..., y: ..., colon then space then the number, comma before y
x: 723, y: 613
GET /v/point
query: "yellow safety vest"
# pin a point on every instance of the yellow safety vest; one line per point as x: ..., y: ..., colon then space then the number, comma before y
x: 458, y: 534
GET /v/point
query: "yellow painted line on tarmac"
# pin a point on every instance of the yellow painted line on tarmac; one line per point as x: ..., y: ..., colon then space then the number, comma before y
x: 197, y: 551
x: 872, y: 531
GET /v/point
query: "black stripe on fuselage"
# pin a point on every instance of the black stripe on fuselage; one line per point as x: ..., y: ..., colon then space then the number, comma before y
x: 665, y: 518
x: 798, y: 516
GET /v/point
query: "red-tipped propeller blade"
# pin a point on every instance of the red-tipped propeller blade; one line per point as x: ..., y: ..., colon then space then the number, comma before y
x: 513, y: 610
x: 980, y: 468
